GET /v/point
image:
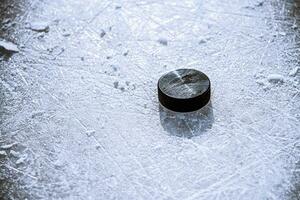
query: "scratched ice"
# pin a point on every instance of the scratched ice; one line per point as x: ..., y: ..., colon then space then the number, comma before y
x: 80, y: 117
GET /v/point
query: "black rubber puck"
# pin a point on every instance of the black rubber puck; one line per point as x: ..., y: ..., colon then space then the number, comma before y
x: 184, y: 90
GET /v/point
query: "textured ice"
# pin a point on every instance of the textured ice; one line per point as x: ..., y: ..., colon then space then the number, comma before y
x: 294, y: 71
x: 8, y: 47
x: 294, y: 26
x: 102, y: 34
x: 3, y: 153
x: 163, y: 41
x: 244, y: 145
x: 282, y: 33
x: 90, y: 133
x: 21, y: 160
x: 7, y: 146
x: 14, y: 153
x: 39, y: 26
x: 275, y: 78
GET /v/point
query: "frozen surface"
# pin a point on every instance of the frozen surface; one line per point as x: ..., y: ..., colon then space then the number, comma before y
x: 80, y: 117
x: 8, y: 47
x: 39, y: 26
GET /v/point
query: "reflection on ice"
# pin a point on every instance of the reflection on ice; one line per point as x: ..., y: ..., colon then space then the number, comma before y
x: 187, y: 124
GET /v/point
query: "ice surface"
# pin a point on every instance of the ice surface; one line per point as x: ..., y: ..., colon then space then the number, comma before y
x: 7, y: 146
x: 275, y: 78
x: 8, y: 47
x: 282, y: 33
x: 163, y: 41
x: 14, y: 153
x: 244, y: 145
x: 102, y: 34
x: 3, y: 153
x: 295, y: 26
x: 21, y: 160
x: 39, y: 26
x: 294, y: 71
x: 90, y: 133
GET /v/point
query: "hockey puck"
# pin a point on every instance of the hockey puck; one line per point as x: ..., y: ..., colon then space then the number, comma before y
x: 184, y: 90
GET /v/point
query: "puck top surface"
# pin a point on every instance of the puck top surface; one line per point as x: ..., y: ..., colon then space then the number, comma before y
x: 184, y: 83
x: 184, y: 90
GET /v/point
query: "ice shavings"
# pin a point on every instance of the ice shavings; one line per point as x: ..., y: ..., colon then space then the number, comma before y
x: 8, y: 47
